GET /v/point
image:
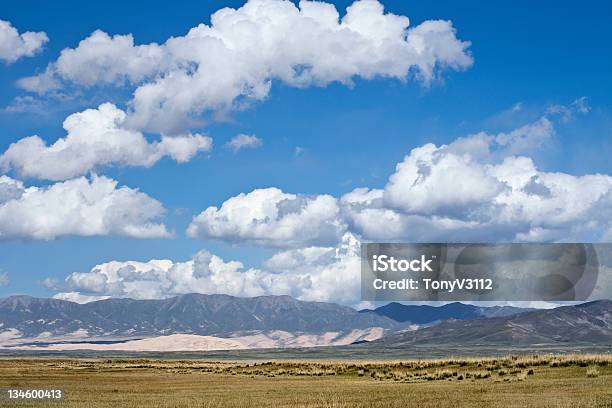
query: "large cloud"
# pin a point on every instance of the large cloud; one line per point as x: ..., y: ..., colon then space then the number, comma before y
x: 96, y: 138
x: 14, y: 46
x: 77, y: 207
x: 478, y: 188
x: 233, y: 60
x: 322, y: 274
x: 271, y: 217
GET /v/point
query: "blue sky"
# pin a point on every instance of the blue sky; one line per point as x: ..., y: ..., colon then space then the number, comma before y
x: 525, y: 54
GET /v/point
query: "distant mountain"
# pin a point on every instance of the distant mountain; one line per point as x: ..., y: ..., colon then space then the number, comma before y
x: 188, y: 314
x: 423, y: 314
x: 281, y: 321
x: 587, y: 323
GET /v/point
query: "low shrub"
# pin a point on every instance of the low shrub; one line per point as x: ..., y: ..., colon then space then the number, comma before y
x: 592, y: 372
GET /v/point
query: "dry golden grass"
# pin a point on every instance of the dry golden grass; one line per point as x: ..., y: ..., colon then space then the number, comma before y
x: 526, y: 381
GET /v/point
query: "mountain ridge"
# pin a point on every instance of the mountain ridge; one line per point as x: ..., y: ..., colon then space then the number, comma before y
x: 190, y: 314
x: 586, y: 323
x: 301, y: 322
x: 426, y: 314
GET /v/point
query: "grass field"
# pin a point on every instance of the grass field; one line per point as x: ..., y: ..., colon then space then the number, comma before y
x: 515, y: 381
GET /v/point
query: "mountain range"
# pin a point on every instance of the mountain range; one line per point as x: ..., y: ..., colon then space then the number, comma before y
x: 425, y: 314
x: 584, y: 324
x: 188, y: 314
x: 199, y: 322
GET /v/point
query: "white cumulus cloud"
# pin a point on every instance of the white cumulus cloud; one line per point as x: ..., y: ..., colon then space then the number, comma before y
x: 235, y: 59
x: 80, y: 206
x: 321, y: 274
x: 273, y: 218
x: 476, y: 189
x: 14, y: 46
x: 96, y: 138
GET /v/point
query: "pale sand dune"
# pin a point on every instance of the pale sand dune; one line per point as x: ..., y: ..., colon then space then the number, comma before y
x: 190, y: 342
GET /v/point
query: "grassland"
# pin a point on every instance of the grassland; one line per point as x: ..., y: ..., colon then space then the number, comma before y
x: 577, y: 380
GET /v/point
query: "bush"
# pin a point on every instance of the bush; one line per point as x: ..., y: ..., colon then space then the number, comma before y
x: 444, y: 374
x: 592, y: 372
x: 481, y: 374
